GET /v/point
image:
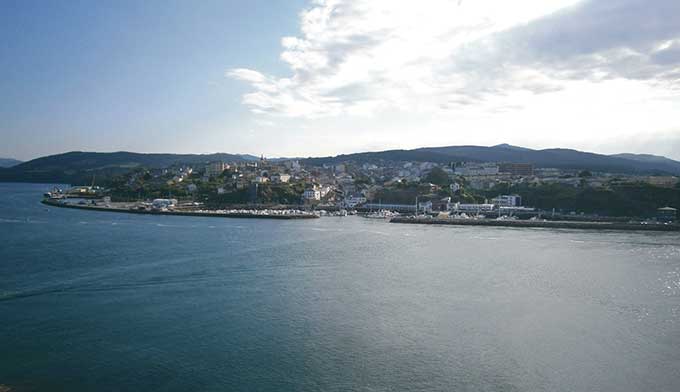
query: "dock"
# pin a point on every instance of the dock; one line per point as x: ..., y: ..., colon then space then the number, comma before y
x: 629, y: 226
x: 209, y: 214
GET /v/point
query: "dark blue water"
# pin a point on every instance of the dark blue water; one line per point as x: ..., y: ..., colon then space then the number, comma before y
x: 115, y: 302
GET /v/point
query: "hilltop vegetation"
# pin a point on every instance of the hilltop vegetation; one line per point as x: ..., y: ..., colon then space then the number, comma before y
x: 81, y: 167
x: 626, y: 199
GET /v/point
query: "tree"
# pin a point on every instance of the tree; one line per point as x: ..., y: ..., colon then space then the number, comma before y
x: 438, y: 176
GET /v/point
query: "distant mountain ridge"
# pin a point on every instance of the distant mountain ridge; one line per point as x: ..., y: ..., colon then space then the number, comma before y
x: 554, y: 158
x: 80, y: 167
x: 78, y: 160
x: 8, y: 162
x: 661, y: 162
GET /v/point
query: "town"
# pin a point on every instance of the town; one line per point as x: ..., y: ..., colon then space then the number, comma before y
x: 502, y: 190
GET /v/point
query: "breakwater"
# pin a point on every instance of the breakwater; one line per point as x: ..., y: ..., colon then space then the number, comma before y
x: 540, y: 223
x: 211, y: 214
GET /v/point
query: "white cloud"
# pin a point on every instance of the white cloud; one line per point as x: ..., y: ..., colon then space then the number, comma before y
x: 585, y: 68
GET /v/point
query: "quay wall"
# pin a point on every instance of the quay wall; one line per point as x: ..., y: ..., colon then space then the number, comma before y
x: 544, y: 224
x: 177, y: 213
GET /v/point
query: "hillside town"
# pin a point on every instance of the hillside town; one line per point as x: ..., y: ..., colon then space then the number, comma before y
x: 499, y: 188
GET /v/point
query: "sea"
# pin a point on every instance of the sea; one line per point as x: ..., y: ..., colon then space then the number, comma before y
x: 100, y: 301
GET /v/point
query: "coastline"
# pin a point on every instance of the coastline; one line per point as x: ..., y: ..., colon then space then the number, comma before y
x: 579, y: 225
x: 180, y: 213
x: 540, y: 224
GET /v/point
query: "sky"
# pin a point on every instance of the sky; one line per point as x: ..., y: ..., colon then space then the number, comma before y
x: 323, y: 77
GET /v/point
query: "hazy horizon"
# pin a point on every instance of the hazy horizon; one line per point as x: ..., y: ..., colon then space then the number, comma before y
x: 329, y: 77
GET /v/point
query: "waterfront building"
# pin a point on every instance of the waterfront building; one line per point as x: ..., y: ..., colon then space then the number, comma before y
x: 508, y: 200
x: 353, y: 201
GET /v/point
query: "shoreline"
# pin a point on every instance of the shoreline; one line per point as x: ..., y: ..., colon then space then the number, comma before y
x: 580, y: 225
x: 180, y: 213
x: 540, y: 224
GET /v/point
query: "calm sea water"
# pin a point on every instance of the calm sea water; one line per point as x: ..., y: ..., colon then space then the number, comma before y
x: 115, y: 302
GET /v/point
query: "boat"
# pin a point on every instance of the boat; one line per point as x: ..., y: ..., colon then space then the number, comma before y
x: 382, y: 214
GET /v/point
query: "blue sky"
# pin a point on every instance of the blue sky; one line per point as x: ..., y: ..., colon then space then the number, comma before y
x: 144, y: 76
x: 300, y: 78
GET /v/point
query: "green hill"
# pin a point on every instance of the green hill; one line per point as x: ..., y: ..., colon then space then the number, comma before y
x: 80, y: 167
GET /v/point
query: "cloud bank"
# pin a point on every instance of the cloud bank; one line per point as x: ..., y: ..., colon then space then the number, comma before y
x: 480, y: 64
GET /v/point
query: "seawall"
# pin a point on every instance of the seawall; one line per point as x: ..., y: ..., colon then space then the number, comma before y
x: 536, y: 223
x: 180, y: 213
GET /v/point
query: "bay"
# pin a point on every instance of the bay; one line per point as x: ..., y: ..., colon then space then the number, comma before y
x: 117, y: 302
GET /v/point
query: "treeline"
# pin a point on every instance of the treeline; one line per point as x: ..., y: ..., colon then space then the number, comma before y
x: 206, y: 193
x: 634, y: 199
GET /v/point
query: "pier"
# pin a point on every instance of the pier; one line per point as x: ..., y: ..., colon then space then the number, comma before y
x: 210, y: 214
x: 637, y: 226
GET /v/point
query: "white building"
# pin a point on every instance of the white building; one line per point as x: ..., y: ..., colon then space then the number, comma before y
x: 312, y: 194
x: 280, y: 177
x: 507, y: 200
x: 324, y: 190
